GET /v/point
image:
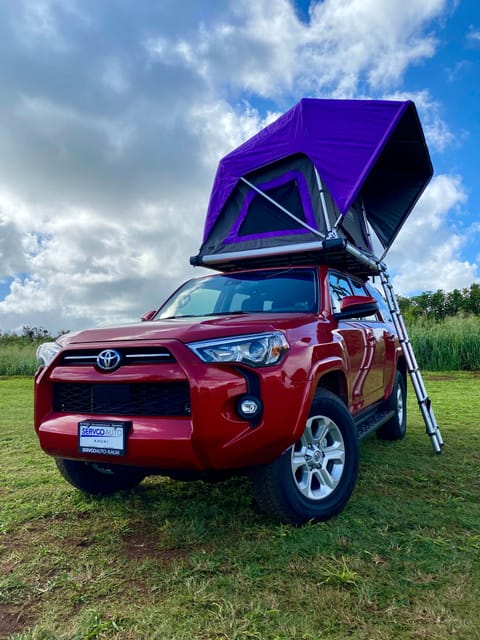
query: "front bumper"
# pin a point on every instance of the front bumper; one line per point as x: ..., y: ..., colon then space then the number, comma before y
x: 208, y: 435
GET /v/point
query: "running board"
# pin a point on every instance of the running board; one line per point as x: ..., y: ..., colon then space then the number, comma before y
x: 373, y: 422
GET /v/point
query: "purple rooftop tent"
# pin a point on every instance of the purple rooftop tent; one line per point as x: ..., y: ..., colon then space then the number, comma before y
x: 346, y: 165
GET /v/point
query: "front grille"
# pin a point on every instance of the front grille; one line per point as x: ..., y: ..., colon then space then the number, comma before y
x: 123, y: 399
x: 128, y: 355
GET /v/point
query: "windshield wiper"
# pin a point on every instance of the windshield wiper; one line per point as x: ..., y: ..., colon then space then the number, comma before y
x: 203, y: 315
x: 225, y: 313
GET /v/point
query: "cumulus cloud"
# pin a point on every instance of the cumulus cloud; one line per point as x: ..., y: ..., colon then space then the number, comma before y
x: 425, y: 254
x: 346, y: 47
x: 113, y: 117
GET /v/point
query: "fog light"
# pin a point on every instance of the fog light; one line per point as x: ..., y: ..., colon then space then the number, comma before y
x: 249, y: 407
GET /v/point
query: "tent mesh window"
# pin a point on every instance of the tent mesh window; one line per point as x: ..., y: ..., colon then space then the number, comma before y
x: 264, y: 217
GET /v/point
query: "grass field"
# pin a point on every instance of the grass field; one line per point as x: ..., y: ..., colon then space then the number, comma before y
x: 194, y: 561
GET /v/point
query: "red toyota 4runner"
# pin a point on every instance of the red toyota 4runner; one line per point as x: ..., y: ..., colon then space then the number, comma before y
x: 275, y: 373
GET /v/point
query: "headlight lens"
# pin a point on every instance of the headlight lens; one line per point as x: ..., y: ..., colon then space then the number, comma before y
x: 259, y: 350
x: 46, y: 353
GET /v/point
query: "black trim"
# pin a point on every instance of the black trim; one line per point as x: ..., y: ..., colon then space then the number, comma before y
x: 253, y: 389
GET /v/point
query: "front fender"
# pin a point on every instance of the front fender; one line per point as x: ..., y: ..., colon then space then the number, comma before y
x: 318, y: 371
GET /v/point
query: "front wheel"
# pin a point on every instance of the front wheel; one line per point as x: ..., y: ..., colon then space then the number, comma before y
x: 315, y: 477
x: 98, y: 479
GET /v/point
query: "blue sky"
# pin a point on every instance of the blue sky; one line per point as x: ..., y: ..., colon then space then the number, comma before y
x: 113, y: 116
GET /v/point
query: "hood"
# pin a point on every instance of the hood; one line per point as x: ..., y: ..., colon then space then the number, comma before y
x: 189, y: 329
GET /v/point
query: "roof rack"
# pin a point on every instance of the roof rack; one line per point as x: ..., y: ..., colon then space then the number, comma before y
x: 334, y: 252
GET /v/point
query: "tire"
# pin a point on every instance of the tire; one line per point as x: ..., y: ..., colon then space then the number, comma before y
x: 96, y: 479
x: 396, y: 427
x: 314, y: 479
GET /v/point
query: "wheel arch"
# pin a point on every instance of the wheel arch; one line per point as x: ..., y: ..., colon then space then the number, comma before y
x: 402, y: 367
x: 331, y: 378
x: 336, y: 382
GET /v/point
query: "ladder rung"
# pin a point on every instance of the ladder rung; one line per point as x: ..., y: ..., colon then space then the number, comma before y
x: 424, y: 402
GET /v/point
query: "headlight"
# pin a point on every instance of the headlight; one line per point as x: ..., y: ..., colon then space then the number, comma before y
x: 46, y: 353
x: 259, y: 350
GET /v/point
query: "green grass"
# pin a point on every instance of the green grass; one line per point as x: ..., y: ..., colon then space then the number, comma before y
x: 17, y: 358
x: 450, y: 345
x: 190, y: 561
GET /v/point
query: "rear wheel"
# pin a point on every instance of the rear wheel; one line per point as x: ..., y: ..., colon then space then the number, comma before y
x: 396, y: 427
x: 315, y: 477
x: 98, y: 479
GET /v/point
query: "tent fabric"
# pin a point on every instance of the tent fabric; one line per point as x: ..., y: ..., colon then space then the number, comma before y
x: 370, y: 156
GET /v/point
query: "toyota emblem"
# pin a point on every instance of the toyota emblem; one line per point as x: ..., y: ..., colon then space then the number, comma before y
x: 108, y: 360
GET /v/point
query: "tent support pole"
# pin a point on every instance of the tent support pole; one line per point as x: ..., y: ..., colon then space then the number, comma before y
x: 331, y: 233
x: 367, y: 227
x: 286, y: 211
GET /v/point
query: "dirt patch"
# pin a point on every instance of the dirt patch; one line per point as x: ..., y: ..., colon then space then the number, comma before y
x: 16, y: 618
x: 144, y: 546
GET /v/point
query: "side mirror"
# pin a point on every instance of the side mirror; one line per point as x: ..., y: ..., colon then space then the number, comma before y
x: 149, y: 315
x: 356, y: 307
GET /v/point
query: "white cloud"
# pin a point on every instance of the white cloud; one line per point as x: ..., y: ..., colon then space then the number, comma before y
x: 425, y: 256
x: 113, y: 117
x: 266, y: 49
x: 473, y: 36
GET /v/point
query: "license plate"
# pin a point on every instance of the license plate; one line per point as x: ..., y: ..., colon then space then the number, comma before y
x: 101, y: 436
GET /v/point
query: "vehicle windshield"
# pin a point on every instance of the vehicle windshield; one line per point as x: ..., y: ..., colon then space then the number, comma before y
x: 267, y: 291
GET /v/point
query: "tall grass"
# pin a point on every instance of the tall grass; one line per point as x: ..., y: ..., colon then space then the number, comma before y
x: 450, y: 345
x: 17, y: 359
x: 17, y: 352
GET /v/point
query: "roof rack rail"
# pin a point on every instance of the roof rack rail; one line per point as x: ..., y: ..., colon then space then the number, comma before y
x: 334, y: 252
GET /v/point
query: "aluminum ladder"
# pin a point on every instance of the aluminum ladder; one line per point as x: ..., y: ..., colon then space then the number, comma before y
x: 423, y: 400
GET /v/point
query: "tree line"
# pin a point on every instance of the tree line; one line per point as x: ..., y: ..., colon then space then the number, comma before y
x: 28, y: 335
x: 438, y: 305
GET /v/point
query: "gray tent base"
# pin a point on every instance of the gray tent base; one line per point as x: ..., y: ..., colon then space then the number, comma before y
x: 335, y: 252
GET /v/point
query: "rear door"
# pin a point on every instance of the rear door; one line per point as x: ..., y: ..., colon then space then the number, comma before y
x: 364, y: 342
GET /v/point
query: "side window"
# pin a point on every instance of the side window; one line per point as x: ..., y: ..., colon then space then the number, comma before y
x: 360, y: 289
x: 382, y: 304
x: 339, y: 288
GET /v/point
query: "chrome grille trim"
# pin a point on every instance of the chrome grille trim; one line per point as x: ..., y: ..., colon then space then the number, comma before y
x: 129, y: 355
